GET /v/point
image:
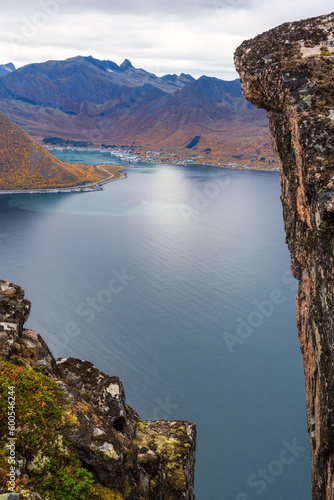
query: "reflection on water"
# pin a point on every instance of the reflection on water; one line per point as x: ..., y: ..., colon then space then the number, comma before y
x: 206, y: 248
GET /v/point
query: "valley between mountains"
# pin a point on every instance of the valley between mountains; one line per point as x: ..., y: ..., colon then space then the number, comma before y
x: 99, y: 103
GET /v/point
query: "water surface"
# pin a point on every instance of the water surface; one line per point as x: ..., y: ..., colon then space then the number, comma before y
x: 177, y: 279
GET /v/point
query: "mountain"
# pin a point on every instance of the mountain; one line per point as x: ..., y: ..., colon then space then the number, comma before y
x: 24, y: 164
x: 205, y: 106
x: 83, y: 98
x: 6, y: 68
x: 67, y: 85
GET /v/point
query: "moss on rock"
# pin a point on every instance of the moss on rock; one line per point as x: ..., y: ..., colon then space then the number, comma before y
x: 51, y: 466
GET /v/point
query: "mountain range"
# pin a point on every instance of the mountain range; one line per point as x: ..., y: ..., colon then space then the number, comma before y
x: 99, y: 102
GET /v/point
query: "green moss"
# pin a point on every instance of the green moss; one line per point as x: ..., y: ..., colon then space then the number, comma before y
x: 101, y: 493
x: 167, y: 448
x: 69, y: 419
x: 141, y: 423
x: 52, y: 468
x: 153, y: 484
x: 87, y: 397
x: 170, y: 450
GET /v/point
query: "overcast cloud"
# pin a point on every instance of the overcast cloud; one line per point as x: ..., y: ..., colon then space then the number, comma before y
x: 175, y: 36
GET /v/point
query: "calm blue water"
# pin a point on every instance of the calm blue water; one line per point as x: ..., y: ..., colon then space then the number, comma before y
x: 177, y: 280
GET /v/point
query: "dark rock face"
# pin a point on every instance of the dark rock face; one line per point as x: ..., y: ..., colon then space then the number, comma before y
x: 140, y: 460
x: 289, y: 71
x: 14, y: 311
x: 106, y: 393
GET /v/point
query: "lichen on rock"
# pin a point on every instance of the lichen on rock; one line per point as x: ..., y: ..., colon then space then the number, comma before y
x: 167, y: 455
x: 14, y: 311
x: 289, y: 71
x: 90, y: 418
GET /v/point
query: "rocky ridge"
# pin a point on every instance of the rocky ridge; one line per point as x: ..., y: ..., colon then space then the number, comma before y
x: 133, y: 458
x: 289, y: 71
x: 6, y: 68
x: 99, y: 102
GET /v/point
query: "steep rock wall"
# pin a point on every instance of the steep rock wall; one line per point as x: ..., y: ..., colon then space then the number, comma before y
x: 137, y: 459
x: 289, y: 71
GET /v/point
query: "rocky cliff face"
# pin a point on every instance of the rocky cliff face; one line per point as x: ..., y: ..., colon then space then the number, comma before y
x: 289, y: 71
x: 134, y: 459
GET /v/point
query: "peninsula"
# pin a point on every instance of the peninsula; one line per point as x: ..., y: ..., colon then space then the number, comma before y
x: 26, y: 166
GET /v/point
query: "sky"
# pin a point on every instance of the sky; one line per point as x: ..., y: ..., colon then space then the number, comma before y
x: 174, y: 36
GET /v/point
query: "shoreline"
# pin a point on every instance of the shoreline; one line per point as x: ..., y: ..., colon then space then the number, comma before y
x: 96, y: 186
x: 53, y: 190
x: 229, y: 167
x: 135, y: 157
x: 99, y: 185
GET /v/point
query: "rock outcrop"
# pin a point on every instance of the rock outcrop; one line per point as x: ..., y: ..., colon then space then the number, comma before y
x: 289, y: 71
x: 135, y: 459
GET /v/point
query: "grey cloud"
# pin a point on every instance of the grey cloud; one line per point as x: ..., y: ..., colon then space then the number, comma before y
x: 109, y: 6
x: 195, y: 36
x: 145, y: 7
x: 233, y: 4
x: 171, y: 8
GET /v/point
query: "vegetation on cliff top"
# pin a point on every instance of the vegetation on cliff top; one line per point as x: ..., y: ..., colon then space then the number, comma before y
x: 46, y: 460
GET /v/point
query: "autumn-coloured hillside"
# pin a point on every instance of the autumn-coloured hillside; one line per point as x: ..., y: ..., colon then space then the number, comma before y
x: 24, y: 164
x: 84, y: 99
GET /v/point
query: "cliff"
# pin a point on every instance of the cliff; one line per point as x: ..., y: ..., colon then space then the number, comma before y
x: 289, y: 71
x: 75, y: 437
